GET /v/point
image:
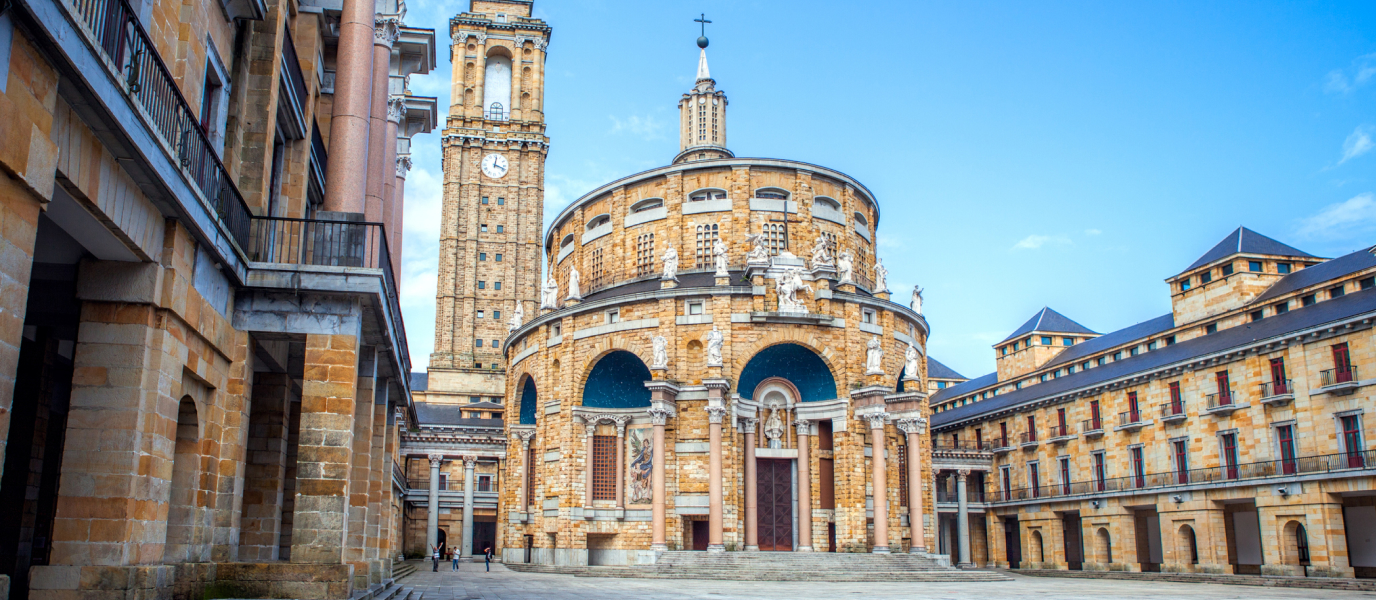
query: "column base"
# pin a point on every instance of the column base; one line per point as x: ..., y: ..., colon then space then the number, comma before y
x: 880, y: 550
x: 965, y: 565
x: 917, y: 550
x: 752, y: 548
x: 659, y: 547
x: 804, y: 549
x: 715, y: 548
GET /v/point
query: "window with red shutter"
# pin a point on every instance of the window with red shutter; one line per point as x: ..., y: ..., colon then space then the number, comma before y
x: 1342, y: 363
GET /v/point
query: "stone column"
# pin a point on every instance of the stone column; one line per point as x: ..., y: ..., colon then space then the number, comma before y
x: 385, y: 33
x: 621, y: 462
x: 658, y: 540
x: 396, y: 113
x: 361, y: 471
x: 398, y: 212
x: 879, y: 482
x: 752, y: 531
x: 470, y: 461
x: 347, y: 172
x: 432, y: 508
x: 804, y: 486
x: 914, y: 428
x: 589, y: 427
x: 963, y: 520
x: 324, y: 457
x: 528, y: 463
x: 715, y: 414
x: 261, y: 524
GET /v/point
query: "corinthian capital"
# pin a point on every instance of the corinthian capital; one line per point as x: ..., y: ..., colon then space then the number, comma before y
x: 469, y: 461
x: 386, y: 30
x: 748, y: 424
x: 876, y: 419
x: 916, y: 425
x: 803, y: 426
x: 396, y: 108
x: 436, y: 460
x: 715, y: 414
x: 403, y: 166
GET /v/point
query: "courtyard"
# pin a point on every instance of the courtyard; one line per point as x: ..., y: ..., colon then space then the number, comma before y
x: 473, y: 583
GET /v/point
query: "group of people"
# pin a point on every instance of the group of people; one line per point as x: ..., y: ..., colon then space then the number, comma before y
x: 437, y: 552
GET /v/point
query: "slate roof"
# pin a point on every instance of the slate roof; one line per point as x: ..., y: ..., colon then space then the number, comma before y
x: 420, y: 381
x: 1352, y: 304
x: 936, y: 370
x: 1244, y: 240
x: 1324, y: 271
x: 1049, y: 320
x: 963, y: 387
x: 430, y: 413
x: 1142, y: 330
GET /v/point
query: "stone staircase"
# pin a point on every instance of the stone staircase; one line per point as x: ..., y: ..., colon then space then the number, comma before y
x: 783, y: 566
x: 389, y: 590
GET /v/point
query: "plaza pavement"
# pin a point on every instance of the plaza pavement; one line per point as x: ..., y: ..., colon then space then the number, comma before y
x: 472, y: 583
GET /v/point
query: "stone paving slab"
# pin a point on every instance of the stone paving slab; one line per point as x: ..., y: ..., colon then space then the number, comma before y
x: 472, y: 583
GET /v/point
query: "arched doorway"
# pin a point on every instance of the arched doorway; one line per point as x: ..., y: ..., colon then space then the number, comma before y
x: 442, y: 541
x: 1187, y: 546
x: 1103, y: 547
x: 1037, y: 547
x: 186, y: 468
x: 1296, y: 544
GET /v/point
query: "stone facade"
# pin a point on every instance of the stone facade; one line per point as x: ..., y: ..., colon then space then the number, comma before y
x: 1226, y: 437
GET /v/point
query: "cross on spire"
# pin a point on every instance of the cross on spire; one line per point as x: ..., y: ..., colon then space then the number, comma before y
x: 703, y: 20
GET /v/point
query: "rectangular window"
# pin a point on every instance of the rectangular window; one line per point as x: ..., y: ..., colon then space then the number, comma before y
x: 1005, y: 350
x: 499, y: 258
x: 1185, y: 284
x: 481, y: 314
x: 1342, y: 364
x: 1117, y: 356
x: 1337, y: 291
x: 1225, y: 395
x: 530, y: 475
x: 484, y: 483
x: 1100, y: 471
x: 1367, y: 283
x: 1046, y: 341
x: 497, y: 314
x: 484, y: 199
x: 496, y: 285
x: 482, y: 256
x: 495, y: 343
x: 1177, y: 404
x: 1229, y: 441
x: 1007, y: 476
x: 1151, y: 345
x: 1309, y: 300
x: 483, y: 227
x: 1031, y: 428
x: 776, y: 238
x: 1101, y: 361
x: 1352, y: 441
x: 1134, y: 350
x: 1257, y: 315
x: 1134, y: 412
x: 695, y: 308
x: 614, y: 316
x: 596, y: 275
x: 644, y: 254
x: 1282, y: 308
x: 1070, y: 370
x: 482, y: 285
x: 1182, y: 461
x: 1283, y: 268
x: 1095, y: 420
x: 1034, y: 479
x: 1211, y: 328
x: 478, y: 344
x: 1279, y: 384
x: 556, y: 329
x: 1206, y: 277
x: 604, y: 467
x: 499, y: 229
x: 1003, y: 434
x: 1060, y: 422
x: 1227, y: 269
x: 501, y: 201
x: 1170, y: 340
x: 1070, y: 341
x: 979, y: 439
x: 1285, y: 435
x: 1065, y: 476
x: 1139, y: 470
x: 1254, y: 266
x: 902, y: 475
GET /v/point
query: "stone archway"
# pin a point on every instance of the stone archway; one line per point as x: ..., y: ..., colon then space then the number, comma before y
x: 529, y: 399
x: 1103, y: 547
x: 186, y: 471
x: 617, y: 380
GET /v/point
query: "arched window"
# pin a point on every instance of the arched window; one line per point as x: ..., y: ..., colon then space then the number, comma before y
x: 598, y: 221
x: 529, y: 398
x: 707, y: 194
x: 795, y: 363
x: 617, y: 381
x: 568, y: 240
x: 495, y: 112
x: 827, y: 203
x: 771, y: 193
x: 497, y: 83
x: 647, y: 204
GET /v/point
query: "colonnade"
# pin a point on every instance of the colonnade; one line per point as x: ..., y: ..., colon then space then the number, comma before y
x: 432, y: 513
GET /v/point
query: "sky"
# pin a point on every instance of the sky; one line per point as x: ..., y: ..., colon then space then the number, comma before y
x: 1063, y: 154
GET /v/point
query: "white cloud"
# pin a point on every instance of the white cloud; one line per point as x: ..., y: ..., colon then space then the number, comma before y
x: 1342, y: 81
x: 1352, y: 216
x: 1036, y: 242
x: 1092, y: 232
x: 1357, y: 144
x: 646, y: 127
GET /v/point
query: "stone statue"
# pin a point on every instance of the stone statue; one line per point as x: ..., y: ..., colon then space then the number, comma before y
x: 845, y: 267
x: 774, y: 426
x: 670, y: 265
x: 517, y: 317
x: 911, y: 369
x: 789, y: 285
x: 821, y: 252
x: 881, y: 276
x: 714, y: 341
x: 916, y: 304
x: 660, y: 360
x: 874, y: 357
x: 758, y: 253
x: 719, y: 257
x: 574, y: 294
x: 549, y: 294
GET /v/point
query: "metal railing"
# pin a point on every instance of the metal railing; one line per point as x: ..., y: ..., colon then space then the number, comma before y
x: 1221, y: 398
x: 1277, y: 388
x: 1027, y: 437
x: 283, y: 240
x: 971, y: 495
x: 1223, y: 473
x: 972, y: 445
x: 1001, y: 443
x: 1129, y: 417
x: 149, y: 83
x: 1174, y: 408
x: 1056, y: 431
x: 1337, y: 376
x: 1091, y: 425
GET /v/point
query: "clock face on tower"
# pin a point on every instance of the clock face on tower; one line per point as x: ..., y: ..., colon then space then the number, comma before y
x: 494, y: 166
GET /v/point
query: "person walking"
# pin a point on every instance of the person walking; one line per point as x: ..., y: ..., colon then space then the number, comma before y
x: 454, y: 556
x: 435, y: 555
x: 487, y: 558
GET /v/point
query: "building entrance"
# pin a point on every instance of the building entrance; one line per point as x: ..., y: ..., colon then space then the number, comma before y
x: 774, y: 486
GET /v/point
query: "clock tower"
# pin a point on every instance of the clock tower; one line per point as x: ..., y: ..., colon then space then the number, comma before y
x: 494, y: 188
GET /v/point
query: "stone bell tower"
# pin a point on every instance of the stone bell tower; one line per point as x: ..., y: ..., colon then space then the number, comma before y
x: 702, y: 115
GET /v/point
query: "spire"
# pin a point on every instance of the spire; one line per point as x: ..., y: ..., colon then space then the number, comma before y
x: 703, y: 74
x: 702, y: 113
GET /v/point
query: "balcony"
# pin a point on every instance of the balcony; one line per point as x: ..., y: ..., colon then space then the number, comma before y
x: 329, y: 255
x: 961, y: 446
x: 1277, y: 393
x: 1338, y: 382
x: 1001, y: 445
x: 1174, y: 411
x: 1027, y: 440
x: 112, y: 27
x: 1092, y: 428
x: 972, y: 496
x: 1131, y: 421
x: 1357, y: 463
x: 1223, y: 403
x: 1060, y: 434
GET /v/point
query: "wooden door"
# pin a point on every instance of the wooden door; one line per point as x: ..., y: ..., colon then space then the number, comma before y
x: 699, y: 535
x: 1012, y: 542
x: 774, y: 489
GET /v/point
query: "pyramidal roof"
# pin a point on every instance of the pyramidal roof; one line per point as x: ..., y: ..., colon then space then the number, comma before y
x: 703, y: 73
x: 939, y: 371
x: 1245, y: 241
x: 1051, y: 321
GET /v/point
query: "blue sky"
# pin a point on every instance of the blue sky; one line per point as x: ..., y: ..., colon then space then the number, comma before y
x: 1063, y: 154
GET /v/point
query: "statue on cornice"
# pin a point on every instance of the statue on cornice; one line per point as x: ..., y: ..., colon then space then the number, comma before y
x: 845, y: 267
x: 670, y: 265
x: 874, y: 357
x: 774, y: 426
x: 719, y: 257
x: 714, y: 342
x: 660, y: 358
x: 881, y: 276
x: 911, y: 369
x: 549, y: 294
x: 821, y: 252
x: 916, y: 304
x: 574, y: 294
x: 517, y: 318
x: 758, y: 253
x: 790, y: 283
